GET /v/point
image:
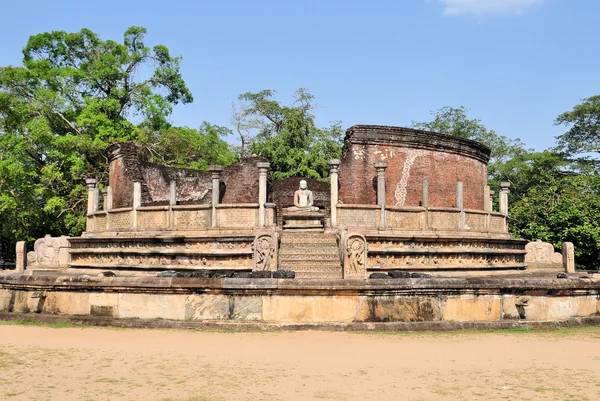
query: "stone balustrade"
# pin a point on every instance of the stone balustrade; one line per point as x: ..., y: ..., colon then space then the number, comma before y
x: 368, y: 217
x: 243, y: 216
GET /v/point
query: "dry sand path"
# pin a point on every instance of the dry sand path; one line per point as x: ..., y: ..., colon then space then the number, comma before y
x: 38, y: 363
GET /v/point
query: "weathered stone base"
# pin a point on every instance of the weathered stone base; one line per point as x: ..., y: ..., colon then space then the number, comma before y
x: 487, y: 299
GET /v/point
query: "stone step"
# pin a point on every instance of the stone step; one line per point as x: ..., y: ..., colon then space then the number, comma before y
x: 309, y: 235
x: 310, y: 258
x: 316, y: 274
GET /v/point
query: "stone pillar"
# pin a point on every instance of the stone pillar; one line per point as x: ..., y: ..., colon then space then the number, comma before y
x: 137, y: 202
x: 21, y: 257
x: 380, y: 167
x: 334, y: 169
x: 172, y: 193
x: 216, y: 191
x: 487, y: 201
x: 108, y: 201
x: 104, y: 196
x: 263, y: 170
x: 568, y: 254
x: 172, y: 202
x: 459, y: 195
x: 504, y: 191
x: 92, y: 203
x: 491, y: 200
x: 425, y: 193
x: 462, y: 224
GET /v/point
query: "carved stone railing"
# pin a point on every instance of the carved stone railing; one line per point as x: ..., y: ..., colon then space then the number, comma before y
x: 368, y: 217
x: 179, y: 218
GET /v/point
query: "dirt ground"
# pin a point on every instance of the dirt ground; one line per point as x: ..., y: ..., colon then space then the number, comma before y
x: 39, y: 363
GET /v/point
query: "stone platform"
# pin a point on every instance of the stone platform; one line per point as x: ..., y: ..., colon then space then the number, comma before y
x: 303, y: 220
x: 299, y: 301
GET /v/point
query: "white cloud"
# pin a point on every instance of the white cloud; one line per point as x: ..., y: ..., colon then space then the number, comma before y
x: 480, y: 7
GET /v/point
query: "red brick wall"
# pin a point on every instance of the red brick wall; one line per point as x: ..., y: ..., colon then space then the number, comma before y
x: 441, y: 169
x: 238, y: 181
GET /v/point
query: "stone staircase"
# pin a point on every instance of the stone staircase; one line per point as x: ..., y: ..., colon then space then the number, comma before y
x: 310, y: 254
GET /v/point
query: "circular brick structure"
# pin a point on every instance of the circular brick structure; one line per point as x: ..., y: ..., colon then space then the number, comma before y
x: 412, y: 156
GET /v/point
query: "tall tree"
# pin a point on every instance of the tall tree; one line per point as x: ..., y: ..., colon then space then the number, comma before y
x: 187, y: 147
x: 455, y: 121
x: 74, y: 94
x: 583, y: 135
x: 288, y: 135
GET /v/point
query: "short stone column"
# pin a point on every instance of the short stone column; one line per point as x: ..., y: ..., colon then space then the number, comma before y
x: 263, y: 171
x: 568, y: 255
x: 137, y: 202
x: 334, y: 169
x: 425, y: 193
x: 108, y: 200
x: 459, y: 195
x: 462, y: 224
x: 487, y: 200
x: 491, y: 200
x: 215, y: 171
x: 172, y: 202
x: 92, y: 203
x: 21, y: 256
x: 380, y: 167
x: 504, y: 191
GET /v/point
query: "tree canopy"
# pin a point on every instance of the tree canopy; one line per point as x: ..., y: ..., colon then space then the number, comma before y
x: 288, y: 135
x: 74, y: 95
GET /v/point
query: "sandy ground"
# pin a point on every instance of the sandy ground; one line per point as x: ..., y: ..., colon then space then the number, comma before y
x: 38, y: 363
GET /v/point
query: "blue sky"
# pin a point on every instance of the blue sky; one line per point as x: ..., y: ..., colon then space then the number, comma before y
x: 516, y: 64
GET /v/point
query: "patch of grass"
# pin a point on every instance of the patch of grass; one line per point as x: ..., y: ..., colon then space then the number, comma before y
x: 59, y: 325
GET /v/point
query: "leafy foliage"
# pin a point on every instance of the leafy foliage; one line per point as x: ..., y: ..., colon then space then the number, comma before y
x: 558, y: 200
x: 187, y: 147
x: 584, y: 134
x: 455, y: 121
x: 288, y: 135
x: 74, y: 95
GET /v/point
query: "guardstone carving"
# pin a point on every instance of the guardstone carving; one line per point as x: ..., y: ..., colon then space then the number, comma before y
x: 541, y: 254
x: 355, y: 257
x: 264, y: 253
x: 49, y: 252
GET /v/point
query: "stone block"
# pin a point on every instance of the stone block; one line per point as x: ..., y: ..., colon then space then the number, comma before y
x: 5, y: 296
x: 152, y: 306
x: 104, y: 299
x: 483, y: 308
x: 67, y: 303
x: 563, y: 307
x: 207, y: 307
x: 588, y: 306
x: 300, y: 309
x: 247, y: 308
x: 399, y: 309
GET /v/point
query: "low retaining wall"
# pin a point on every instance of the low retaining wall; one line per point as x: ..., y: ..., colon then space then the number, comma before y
x: 304, y: 301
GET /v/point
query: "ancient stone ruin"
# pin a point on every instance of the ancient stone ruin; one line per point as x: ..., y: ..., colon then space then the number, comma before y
x: 400, y: 199
x: 403, y: 232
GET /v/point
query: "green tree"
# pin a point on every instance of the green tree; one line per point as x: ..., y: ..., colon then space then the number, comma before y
x: 74, y: 95
x: 583, y: 135
x: 187, y: 147
x: 558, y: 200
x: 288, y: 135
x: 455, y: 121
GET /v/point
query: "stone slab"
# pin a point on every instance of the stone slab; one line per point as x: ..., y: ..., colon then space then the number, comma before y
x: 484, y: 308
x: 152, y: 306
